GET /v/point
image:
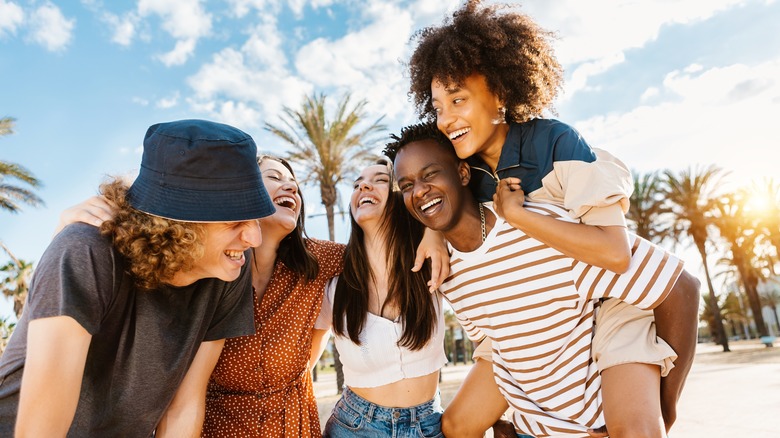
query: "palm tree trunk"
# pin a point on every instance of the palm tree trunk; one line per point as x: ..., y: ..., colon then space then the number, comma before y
x: 713, y: 302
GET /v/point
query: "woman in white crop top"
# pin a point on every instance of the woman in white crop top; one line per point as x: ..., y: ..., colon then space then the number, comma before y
x: 388, y: 327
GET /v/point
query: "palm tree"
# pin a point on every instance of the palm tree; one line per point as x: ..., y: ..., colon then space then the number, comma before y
x: 6, y: 329
x: 771, y: 299
x: 15, y: 279
x: 738, y: 229
x: 768, y: 192
x: 648, y: 213
x: 12, y: 195
x: 690, y: 197
x: 329, y: 150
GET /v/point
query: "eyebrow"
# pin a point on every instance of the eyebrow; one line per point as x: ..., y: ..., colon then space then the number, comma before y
x: 422, y: 169
x: 450, y: 90
x: 360, y: 178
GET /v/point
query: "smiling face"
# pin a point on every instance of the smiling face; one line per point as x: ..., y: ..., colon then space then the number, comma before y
x: 282, y: 187
x: 434, y: 184
x: 224, y: 244
x: 369, y: 194
x: 465, y: 113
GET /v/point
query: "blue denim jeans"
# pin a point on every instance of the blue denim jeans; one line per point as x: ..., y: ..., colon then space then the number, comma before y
x: 354, y: 416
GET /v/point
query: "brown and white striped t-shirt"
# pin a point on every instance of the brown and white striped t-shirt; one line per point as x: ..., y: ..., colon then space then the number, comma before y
x: 537, y: 307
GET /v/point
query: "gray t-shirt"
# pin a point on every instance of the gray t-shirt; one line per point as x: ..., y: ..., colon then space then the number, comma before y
x: 143, y: 342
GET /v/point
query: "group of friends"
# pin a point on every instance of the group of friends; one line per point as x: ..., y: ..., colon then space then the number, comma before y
x: 192, y: 303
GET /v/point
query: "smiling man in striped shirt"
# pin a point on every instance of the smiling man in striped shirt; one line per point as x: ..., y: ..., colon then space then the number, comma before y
x: 540, y: 308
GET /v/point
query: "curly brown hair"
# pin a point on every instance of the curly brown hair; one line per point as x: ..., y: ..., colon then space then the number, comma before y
x: 156, y: 248
x: 513, y: 53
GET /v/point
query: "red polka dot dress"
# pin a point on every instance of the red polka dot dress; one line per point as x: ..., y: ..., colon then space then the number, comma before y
x: 261, y: 386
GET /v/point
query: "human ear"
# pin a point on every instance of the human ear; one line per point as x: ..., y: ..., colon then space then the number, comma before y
x: 464, y: 171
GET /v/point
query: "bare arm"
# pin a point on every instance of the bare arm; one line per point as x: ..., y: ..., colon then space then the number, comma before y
x: 603, y: 246
x: 93, y: 211
x: 433, y: 246
x: 184, y: 416
x: 56, y: 354
x: 319, y: 340
x: 478, y: 394
x: 676, y: 321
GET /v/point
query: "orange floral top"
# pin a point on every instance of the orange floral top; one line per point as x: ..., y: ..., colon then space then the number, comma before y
x: 261, y: 386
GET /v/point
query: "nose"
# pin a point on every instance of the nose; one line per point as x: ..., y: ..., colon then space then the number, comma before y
x: 364, y: 185
x: 420, y: 189
x: 444, y: 118
x: 290, y: 186
x: 251, y: 235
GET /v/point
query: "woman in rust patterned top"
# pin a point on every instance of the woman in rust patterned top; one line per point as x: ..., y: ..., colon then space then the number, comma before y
x: 262, y: 386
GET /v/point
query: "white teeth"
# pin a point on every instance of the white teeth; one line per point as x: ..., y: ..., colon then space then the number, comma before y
x: 235, y: 255
x: 430, y: 204
x: 285, y: 201
x: 368, y: 200
x: 455, y: 134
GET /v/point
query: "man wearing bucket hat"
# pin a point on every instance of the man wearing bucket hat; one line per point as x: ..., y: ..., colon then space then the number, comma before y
x: 123, y: 325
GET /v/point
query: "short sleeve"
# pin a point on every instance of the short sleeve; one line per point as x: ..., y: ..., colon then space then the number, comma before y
x: 234, y: 315
x: 325, y: 319
x: 597, y: 192
x: 75, y: 277
x: 650, y: 277
x: 472, y: 331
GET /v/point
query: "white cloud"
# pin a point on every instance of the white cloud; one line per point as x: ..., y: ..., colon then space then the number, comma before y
x: 598, y: 30
x: 249, y: 86
x: 123, y: 28
x: 649, y: 94
x: 366, y: 59
x: 715, y: 116
x: 168, y: 102
x: 49, y: 28
x: 240, y: 8
x: 180, y: 53
x: 11, y: 17
x: 184, y: 20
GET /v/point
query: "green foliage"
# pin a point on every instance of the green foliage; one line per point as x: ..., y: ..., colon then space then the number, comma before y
x: 329, y: 149
x: 13, y: 195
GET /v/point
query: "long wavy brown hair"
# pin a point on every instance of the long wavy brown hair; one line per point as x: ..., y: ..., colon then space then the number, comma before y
x: 408, y: 290
x: 155, y: 248
x: 513, y: 53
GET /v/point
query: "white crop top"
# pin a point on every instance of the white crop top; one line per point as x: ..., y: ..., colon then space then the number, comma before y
x: 379, y: 360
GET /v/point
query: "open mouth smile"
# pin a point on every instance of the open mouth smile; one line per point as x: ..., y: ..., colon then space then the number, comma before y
x: 286, y: 201
x: 456, y: 134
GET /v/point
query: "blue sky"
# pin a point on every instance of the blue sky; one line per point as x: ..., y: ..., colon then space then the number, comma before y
x: 660, y: 84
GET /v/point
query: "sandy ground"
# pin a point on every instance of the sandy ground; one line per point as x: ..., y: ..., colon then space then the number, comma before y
x: 735, y: 394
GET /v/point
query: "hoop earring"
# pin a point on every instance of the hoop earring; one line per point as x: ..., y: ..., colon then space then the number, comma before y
x: 501, y: 118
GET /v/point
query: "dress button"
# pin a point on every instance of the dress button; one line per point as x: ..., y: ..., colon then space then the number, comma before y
x: 396, y: 415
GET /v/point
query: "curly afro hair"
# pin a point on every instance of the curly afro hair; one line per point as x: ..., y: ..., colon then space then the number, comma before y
x: 513, y: 53
x: 413, y: 133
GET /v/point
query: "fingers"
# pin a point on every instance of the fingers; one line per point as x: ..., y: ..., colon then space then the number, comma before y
x: 435, y: 281
x: 418, y: 261
x: 600, y: 432
x: 93, y: 211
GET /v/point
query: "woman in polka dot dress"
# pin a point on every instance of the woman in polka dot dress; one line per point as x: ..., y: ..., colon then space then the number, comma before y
x: 262, y: 386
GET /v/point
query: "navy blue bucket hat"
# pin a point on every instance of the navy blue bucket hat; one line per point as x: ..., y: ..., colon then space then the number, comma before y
x: 200, y: 171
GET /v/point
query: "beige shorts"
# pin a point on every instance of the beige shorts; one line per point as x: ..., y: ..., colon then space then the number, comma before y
x: 623, y: 334
x: 626, y: 334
